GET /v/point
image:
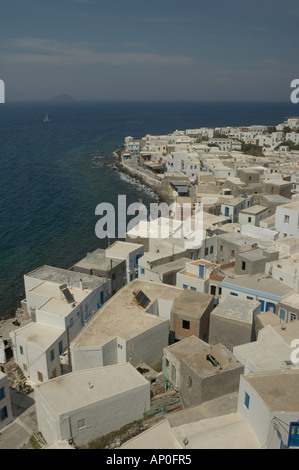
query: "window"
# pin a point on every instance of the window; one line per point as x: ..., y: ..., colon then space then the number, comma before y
x: 40, y: 376
x: 221, y: 248
x: 21, y: 350
x: 243, y: 265
x: 206, y: 251
x: 293, y: 316
x: 193, y: 288
x: 189, y: 382
x: 286, y: 219
x: 211, y: 249
x: 141, y: 270
x: 3, y: 413
x: 249, y: 298
x: 186, y: 325
x: 52, y: 355
x: 173, y: 373
x: 282, y: 314
x: 185, y: 286
x: 247, y: 400
x: 233, y: 293
x: 81, y: 423
x: 249, y: 219
x: 2, y: 393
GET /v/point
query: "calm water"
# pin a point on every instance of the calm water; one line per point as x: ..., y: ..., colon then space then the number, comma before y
x: 53, y: 174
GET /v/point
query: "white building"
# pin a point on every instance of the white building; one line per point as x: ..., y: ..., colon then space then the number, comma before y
x: 57, y: 297
x: 253, y: 215
x: 272, y: 416
x: 293, y: 137
x: 233, y: 207
x: 60, y: 302
x: 196, y: 276
x: 82, y: 406
x: 37, y: 349
x: 287, y: 219
x: 270, y: 351
x: 133, y: 326
x: 218, y: 168
x: 132, y: 145
x: 130, y: 252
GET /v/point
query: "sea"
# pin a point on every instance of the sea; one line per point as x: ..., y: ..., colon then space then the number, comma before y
x: 54, y: 174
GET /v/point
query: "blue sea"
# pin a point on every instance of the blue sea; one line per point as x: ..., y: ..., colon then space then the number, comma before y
x: 54, y: 174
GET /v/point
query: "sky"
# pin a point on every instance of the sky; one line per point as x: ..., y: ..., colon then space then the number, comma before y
x: 193, y: 50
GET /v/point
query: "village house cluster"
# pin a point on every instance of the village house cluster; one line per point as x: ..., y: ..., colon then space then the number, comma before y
x: 213, y: 325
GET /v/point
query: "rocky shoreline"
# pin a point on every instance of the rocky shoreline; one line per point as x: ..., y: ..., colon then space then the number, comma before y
x: 145, y: 180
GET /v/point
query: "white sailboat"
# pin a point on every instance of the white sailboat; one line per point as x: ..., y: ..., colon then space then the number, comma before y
x: 47, y: 118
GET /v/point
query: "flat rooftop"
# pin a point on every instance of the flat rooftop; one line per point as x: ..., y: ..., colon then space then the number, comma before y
x: 291, y: 205
x: 238, y: 238
x: 228, y: 431
x: 254, y: 210
x: 97, y: 260
x: 200, y: 364
x: 259, y: 284
x: 43, y: 336
x: 122, y: 316
x: 65, y: 276
x: 256, y: 254
x: 236, y: 309
x: 78, y: 389
x: 53, y: 299
x: 276, y: 389
x: 186, y: 347
x: 269, y: 352
x: 171, y: 266
x: 120, y: 249
x: 191, y: 304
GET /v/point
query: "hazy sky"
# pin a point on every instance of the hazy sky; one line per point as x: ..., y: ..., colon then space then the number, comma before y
x: 149, y: 49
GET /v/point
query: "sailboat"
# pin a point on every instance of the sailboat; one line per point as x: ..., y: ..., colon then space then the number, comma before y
x: 47, y: 118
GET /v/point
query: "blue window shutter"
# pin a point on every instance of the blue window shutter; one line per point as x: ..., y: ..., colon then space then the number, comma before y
x: 247, y: 400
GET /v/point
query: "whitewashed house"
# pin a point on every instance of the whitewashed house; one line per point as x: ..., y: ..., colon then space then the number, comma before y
x: 272, y: 416
x: 37, y: 349
x: 133, y: 326
x: 287, y: 219
x: 82, y: 406
x: 233, y: 207
x: 253, y: 215
x: 130, y: 252
x: 60, y: 303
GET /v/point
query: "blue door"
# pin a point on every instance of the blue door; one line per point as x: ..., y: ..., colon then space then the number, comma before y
x: 201, y: 271
x: 293, y: 440
x: 262, y: 302
x: 226, y: 212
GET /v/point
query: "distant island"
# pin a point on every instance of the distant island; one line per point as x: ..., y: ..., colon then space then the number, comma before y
x: 63, y: 98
